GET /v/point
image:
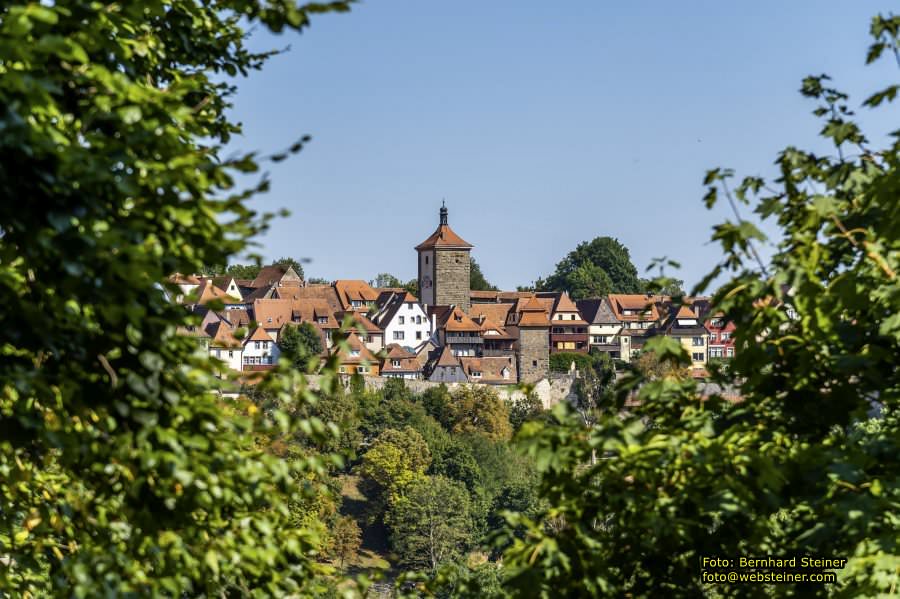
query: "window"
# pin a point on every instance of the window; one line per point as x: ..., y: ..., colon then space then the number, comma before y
x: 418, y: 320
x: 258, y: 345
x: 715, y: 352
x: 476, y: 374
x: 697, y: 342
x: 399, y: 335
x: 534, y: 362
x: 601, y: 339
x: 218, y: 353
x: 572, y: 317
x: 401, y: 320
x: 354, y: 352
x: 230, y: 354
x: 426, y: 259
x: 323, y: 320
x: 395, y: 363
x: 342, y: 369
x: 418, y: 335
x: 712, y: 337
x: 559, y: 317
x: 362, y: 369
x: 730, y: 351
x: 726, y: 336
x: 409, y: 305
x: 363, y: 338
x: 557, y: 329
x: 697, y: 357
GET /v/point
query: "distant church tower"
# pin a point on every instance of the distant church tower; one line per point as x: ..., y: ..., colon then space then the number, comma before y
x: 444, y: 267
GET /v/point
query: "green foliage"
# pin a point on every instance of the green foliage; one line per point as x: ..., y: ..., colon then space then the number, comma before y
x: 798, y: 467
x: 122, y: 472
x: 478, y: 409
x: 301, y: 344
x: 523, y: 409
x: 477, y: 282
x: 594, y: 269
x: 396, y: 459
x: 430, y: 524
x: 346, y: 539
x: 562, y: 361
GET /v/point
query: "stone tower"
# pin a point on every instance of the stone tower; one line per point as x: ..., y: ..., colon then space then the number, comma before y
x: 534, y: 342
x: 444, y: 267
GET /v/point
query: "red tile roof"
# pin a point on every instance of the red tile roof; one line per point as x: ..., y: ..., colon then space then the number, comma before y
x: 444, y: 237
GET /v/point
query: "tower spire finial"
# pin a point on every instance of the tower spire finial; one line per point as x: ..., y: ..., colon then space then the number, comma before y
x: 443, y: 212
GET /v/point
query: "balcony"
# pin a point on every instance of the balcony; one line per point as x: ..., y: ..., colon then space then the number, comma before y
x: 465, y: 339
x: 569, y: 337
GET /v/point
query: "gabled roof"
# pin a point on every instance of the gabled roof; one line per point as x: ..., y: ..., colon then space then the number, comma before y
x: 263, y: 292
x: 273, y: 275
x: 491, y: 369
x: 313, y: 310
x: 349, y: 290
x: 237, y: 317
x: 207, y: 292
x: 645, y: 305
x: 447, y: 358
x: 496, y: 313
x: 564, y: 304
x: 533, y: 313
x: 325, y: 293
x: 597, y: 311
x: 222, y: 336
x: 259, y: 334
x: 358, y: 319
x: 272, y: 313
x: 408, y: 360
x: 390, y: 305
x: 355, y: 344
x: 685, y: 312
x: 457, y: 321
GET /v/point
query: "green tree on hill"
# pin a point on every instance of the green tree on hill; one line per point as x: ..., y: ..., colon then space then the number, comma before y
x: 477, y: 281
x: 593, y: 269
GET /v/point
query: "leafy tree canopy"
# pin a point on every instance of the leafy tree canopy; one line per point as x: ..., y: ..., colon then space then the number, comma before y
x: 122, y: 473
x: 806, y: 463
x: 593, y: 269
x: 300, y: 343
x: 477, y: 282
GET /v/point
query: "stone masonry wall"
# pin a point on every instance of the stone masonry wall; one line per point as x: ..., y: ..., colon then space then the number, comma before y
x: 451, y: 278
x: 551, y: 391
x: 534, y: 354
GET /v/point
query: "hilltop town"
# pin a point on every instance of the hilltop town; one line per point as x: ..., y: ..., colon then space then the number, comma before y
x: 451, y: 333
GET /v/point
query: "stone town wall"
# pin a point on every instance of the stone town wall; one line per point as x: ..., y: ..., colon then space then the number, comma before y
x: 550, y: 390
x: 451, y: 278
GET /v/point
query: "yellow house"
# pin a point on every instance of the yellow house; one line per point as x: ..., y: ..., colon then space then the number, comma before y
x: 687, y: 328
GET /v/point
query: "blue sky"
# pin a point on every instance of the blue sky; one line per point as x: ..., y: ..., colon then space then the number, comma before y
x: 543, y: 124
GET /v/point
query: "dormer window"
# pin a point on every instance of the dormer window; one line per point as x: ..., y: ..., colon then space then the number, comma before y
x: 354, y: 353
x: 323, y: 320
x: 572, y: 317
x: 395, y: 363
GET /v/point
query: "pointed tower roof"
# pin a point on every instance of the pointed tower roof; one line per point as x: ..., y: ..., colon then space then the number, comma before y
x: 443, y: 236
x: 534, y: 314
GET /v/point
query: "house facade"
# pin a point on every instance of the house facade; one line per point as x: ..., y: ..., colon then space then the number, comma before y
x: 603, y: 326
x: 568, y: 330
x: 403, y: 320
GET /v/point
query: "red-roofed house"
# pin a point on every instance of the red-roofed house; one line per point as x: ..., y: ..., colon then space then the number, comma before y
x: 260, y: 349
